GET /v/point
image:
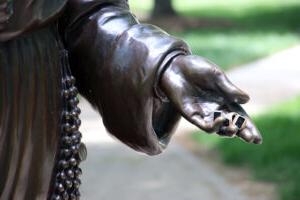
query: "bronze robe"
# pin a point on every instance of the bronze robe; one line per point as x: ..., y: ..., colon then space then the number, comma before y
x: 117, y: 63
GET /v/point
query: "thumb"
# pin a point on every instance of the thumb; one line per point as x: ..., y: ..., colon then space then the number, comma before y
x: 232, y: 92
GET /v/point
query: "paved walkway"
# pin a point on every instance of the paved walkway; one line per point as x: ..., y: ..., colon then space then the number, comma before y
x: 271, y: 80
x: 113, y: 171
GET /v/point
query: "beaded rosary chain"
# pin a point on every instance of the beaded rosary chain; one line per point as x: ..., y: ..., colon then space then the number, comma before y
x: 72, y: 151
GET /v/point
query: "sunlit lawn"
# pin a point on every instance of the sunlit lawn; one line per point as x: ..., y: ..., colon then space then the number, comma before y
x: 258, y: 27
x: 278, y: 159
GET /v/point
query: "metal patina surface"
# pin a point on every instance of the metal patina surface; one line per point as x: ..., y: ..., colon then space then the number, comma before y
x: 139, y: 78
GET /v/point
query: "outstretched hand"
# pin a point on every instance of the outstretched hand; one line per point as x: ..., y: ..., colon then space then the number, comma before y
x: 204, y: 96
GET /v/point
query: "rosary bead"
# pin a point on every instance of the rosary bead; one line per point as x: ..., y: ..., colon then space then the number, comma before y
x: 78, y: 134
x: 67, y: 140
x: 74, y: 149
x: 74, y: 114
x: 77, y: 183
x: 67, y: 127
x: 66, y: 152
x: 56, y: 197
x: 73, y: 162
x: 73, y: 91
x: 77, y: 110
x: 77, y: 193
x: 69, y: 184
x: 74, y: 102
x: 78, y: 180
x: 62, y: 176
x: 65, y: 195
x: 73, y: 80
x: 60, y: 187
x: 67, y: 115
x: 70, y: 173
x: 66, y: 94
x: 64, y: 164
x: 75, y: 137
x: 78, y: 172
x: 78, y: 122
x: 71, y: 103
x: 74, y: 128
x: 70, y: 81
x: 72, y: 197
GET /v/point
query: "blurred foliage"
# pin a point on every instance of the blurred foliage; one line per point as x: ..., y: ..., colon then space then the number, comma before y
x: 248, y: 29
x: 278, y: 159
x: 230, y: 48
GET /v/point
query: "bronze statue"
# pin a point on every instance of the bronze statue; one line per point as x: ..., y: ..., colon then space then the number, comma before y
x: 137, y: 76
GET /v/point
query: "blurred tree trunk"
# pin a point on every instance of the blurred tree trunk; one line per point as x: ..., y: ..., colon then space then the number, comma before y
x: 163, y: 8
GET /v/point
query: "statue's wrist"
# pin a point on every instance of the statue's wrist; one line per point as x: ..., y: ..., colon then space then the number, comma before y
x: 166, y: 68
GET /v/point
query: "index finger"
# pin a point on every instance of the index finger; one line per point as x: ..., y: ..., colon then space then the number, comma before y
x: 250, y: 134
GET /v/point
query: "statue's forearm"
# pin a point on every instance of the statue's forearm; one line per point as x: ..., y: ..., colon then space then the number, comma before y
x: 118, y: 63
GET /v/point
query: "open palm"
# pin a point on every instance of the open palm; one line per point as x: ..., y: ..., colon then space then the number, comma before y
x: 204, y: 96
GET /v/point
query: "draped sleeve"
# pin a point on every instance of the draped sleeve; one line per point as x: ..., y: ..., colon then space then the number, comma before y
x: 118, y: 62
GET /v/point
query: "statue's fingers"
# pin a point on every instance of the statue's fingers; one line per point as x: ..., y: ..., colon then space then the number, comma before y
x: 232, y: 92
x: 250, y: 135
x: 247, y: 130
x: 201, y: 115
x: 229, y: 128
x: 246, y: 135
x: 257, y: 138
x: 228, y: 131
x: 237, y: 108
x: 207, y: 126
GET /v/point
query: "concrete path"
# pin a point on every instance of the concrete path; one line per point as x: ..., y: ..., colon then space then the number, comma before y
x: 113, y: 171
x: 270, y: 80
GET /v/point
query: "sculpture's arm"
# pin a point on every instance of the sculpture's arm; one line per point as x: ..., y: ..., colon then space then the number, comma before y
x: 118, y: 63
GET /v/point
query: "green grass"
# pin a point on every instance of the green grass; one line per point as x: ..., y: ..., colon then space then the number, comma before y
x: 258, y: 28
x: 277, y: 160
x: 230, y: 48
